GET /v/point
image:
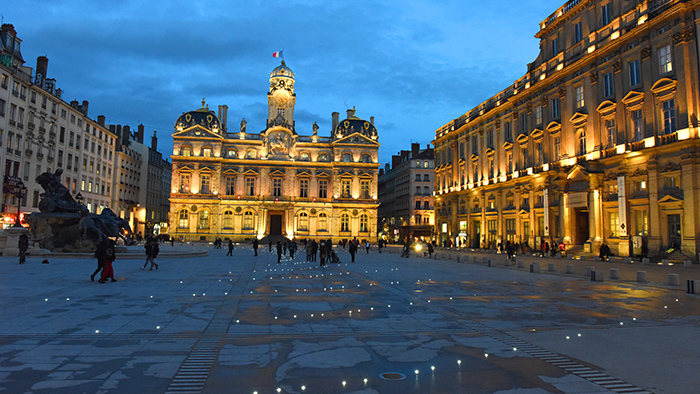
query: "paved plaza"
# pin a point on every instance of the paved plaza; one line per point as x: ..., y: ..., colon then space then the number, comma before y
x: 384, y: 324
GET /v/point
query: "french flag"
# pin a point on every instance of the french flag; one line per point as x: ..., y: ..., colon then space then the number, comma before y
x: 277, y: 54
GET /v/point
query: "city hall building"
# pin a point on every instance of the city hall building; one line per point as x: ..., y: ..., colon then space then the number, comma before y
x: 243, y: 185
x: 597, y: 142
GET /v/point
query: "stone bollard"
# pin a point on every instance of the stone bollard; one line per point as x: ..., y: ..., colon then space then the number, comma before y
x: 687, y: 263
x: 570, y: 256
x: 521, y: 264
x: 550, y: 267
x: 569, y: 268
x: 589, y: 269
x: 642, y: 276
x: 596, y: 258
x: 673, y: 280
x: 614, y: 273
x: 665, y: 262
x: 645, y: 261
x: 535, y: 267
x: 488, y: 263
x: 582, y: 258
x: 691, y: 286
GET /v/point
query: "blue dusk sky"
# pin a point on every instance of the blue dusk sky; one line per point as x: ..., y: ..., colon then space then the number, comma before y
x: 414, y: 65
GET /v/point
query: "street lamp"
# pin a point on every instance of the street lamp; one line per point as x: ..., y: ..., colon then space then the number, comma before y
x: 79, y: 197
x: 20, y: 191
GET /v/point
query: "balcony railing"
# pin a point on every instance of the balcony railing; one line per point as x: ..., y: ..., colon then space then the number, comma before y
x: 666, y: 139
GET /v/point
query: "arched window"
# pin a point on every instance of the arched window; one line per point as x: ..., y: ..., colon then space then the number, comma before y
x: 417, y: 177
x: 322, y: 222
x: 364, y: 223
x: 231, y: 153
x: 347, y: 157
x: 186, y: 151
x: 426, y: 190
x: 417, y: 204
x: 365, y: 159
x: 248, y: 220
x: 323, y: 156
x: 228, y: 220
x: 206, y: 152
x: 345, y: 222
x: 303, y: 223
x: 251, y: 154
x: 204, y: 219
x: 418, y: 164
x: 184, y: 219
x: 426, y: 204
x: 426, y: 178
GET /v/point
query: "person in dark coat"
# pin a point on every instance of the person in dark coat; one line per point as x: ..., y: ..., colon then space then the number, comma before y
x: 279, y: 252
x: 106, y: 255
x: 353, y: 250
x: 152, y: 250
x: 292, y: 246
x: 604, y: 252
x: 255, y: 246
x: 269, y: 245
x: 430, y: 250
x: 23, y: 245
x: 314, y: 250
x: 230, y: 248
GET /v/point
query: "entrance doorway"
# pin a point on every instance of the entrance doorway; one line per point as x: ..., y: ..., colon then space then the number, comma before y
x: 275, y: 224
x: 581, y: 226
x: 674, y: 231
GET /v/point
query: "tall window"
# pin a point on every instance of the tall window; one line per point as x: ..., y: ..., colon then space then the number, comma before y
x: 582, y: 143
x: 426, y: 178
x: 640, y: 222
x: 417, y: 190
x: 184, y: 221
x: 344, y: 222
x: 523, y: 123
x: 669, y: 116
x: 322, y: 188
x: 204, y: 219
x: 364, y: 223
x: 426, y: 204
x: 538, y: 115
x: 555, y: 108
x: 206, y: 152
x: 611, y: 131
x: 303, y: 221
x: 507, y: 130
x: 248, y: 220
x: 345, y: 187
x: 665, y: 62
x: 426, y: 190
x: 322, y: 222
x: 578, y: 32
x: 303, y: 187
x: 418, y: 178
x: 205, y: 184
x: 418, y: 204
x: 250, y: 186
x: 608, y: 87
x: 579, y: 100
x: 228, y: 220
x: 184, y: 183
x: 637, y: 125
x: 635, y: 77
x: 184, y: 151
x: 605, y: 14
x: 614, y: 223
x: 489, y: 139
x: 539, y: 154
x: 509, y: 159
x: 364, y: 189
x: 277, y: 187
x: 525, y: 161
x: 230, y: 185
x: 555, y: 47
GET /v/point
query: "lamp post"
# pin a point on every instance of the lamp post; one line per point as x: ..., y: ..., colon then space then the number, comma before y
x: 20, y: 191
x: 79, y: 197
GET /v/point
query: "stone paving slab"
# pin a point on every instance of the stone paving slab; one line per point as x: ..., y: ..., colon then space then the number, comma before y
x: 245, y: 324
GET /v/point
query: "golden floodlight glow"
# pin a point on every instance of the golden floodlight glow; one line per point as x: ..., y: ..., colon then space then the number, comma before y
x: 649, y: 142
x: 560, y: 66
x: 591, y: 49
x: 620, y: 149
x: 542, y: 77
x: 642, y: 19
x: 615, y: 35
x: 683, y: 134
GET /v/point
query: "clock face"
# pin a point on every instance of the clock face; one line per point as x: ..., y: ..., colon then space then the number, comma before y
x: 280, y: 99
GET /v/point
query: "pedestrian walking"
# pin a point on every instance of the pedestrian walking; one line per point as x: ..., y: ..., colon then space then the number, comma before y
x: 367, y: 246
x: 152, y: 250
x: 230, y: 248
x: 269, y: 245
x: 430, y: 250
x: 314, y: 250
x: 255, y: 246
x: 23, y: 245
x: 309, y: 251
x: 380, y: 245
x: 292, y: 248
x: 105, y: 254
x: 279, y: 252
x: 172, y: 241
x: 353, y: 249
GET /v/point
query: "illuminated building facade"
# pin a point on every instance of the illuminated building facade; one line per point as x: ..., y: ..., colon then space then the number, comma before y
x: 241, y: 185
x: 406, y: 195
x: 598, y: 142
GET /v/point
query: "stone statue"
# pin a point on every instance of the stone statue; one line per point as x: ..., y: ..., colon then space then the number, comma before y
x: 315, y: 128
x: 278, y: 145
x: 65, y: 225
x: 243, y: 125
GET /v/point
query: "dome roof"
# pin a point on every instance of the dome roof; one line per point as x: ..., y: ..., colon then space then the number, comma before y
x: 282, y: 71
x: 202, y: 117
x: 353, y: 124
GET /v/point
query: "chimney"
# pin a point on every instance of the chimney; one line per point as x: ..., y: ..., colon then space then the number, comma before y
x: 371, y: 120
x: 223, y: 114
x: 75, y: 104
x: 395, y: 161
x: 415, y: 149
x: 6, y: 27
x: 336, y: 119
x: 84, y: 107
x: 140, y: 133
x: 42, y: 66
x: 351, y: 113
x: 101, y: 120
x: 154, y: 141
x: 126, y: 135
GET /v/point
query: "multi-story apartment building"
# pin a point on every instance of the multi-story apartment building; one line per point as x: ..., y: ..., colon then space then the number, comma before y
x: 597, y: 142
x: 40, y: 132
x: 143, y: 187
x: 241, y: 185
x: 405, y: 191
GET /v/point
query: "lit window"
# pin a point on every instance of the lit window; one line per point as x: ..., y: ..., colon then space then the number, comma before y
x: 637, y: 125
x: 205, y: 186
x: 345, y: 222
x: 204, y: 219
x: 228, y: 220
x: 669, y: 116
x: 364, y: 223
x: 303, y: 187
x: 614, y: 223
x: 248, y: 220
x: 578, y: 96
x: 665, y: 62
x: 322, y: 222
x: 184, y: 219
x: 303, y: 221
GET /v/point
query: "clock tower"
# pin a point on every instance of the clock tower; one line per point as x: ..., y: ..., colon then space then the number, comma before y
x: 281, y: 97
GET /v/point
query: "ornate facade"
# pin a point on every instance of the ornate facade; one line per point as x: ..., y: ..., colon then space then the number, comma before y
x: 598, y: 142
x: 241, y: 185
